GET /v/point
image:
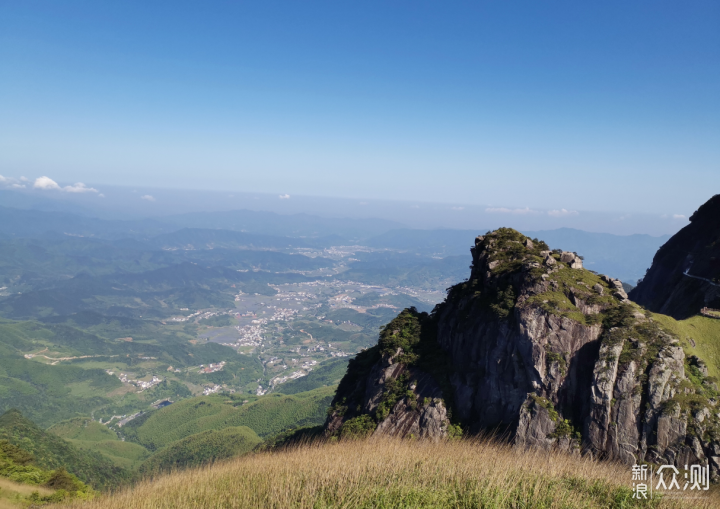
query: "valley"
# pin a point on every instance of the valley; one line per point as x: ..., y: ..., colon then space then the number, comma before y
x: 143, y: 354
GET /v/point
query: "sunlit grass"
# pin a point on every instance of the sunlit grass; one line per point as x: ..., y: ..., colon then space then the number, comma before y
x: 704, y: 332
x: 385, y: 473
x: 14, y: 494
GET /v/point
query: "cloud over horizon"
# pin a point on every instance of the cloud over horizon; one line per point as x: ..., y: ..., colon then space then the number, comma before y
x: 147, y: 197
x: 11, y: 183
x: 47, y: 184
x: 562, y: 213
x: 503, y: 210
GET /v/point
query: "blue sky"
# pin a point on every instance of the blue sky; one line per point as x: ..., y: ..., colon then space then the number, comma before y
x: 582, y: 106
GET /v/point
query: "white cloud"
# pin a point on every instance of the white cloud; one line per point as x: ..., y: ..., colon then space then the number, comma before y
x: 414, y: 206
x: 79, y: 188
x: 678, y: 216
x: 503, y: 210
x: 562, y: 213
x: 147, y: 197
x: 284, y: 196
x: 458, y: 208
x: 10, y: 182
x: 363, y: 203
x: 48, y: 184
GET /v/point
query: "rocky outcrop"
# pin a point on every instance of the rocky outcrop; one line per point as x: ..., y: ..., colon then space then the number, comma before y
x: 685, y: 273
x: 541, y: 351
x: 388, y: 382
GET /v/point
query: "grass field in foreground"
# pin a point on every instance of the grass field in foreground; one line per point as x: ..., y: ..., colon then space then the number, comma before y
x: 386, y: 473
x: 13, y: 495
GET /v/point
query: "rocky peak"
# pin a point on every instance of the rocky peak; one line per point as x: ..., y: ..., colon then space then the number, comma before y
x: 535, y: 346
x: 685, y: 273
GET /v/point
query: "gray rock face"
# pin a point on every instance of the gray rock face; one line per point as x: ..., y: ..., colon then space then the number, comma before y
x: 571, y: 259
x: 668, y: 287
x: 429, y: 421
x: 555, y: 356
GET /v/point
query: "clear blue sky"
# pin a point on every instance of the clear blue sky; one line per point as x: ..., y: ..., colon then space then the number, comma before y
x: 611, y: 105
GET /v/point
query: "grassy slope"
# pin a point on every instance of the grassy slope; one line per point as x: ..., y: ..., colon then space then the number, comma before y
x: 704, y: 332
x: 325, y: 374
x: 92, y: 436
x: 201, y: 448
x: 395, y: 474
x: 14, y: 494
x: 51, y: 452
x: 266, y: 416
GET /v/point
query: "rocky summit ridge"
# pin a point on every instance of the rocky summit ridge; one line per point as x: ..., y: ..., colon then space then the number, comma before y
x: 685, y: 273
x: 543, y: 351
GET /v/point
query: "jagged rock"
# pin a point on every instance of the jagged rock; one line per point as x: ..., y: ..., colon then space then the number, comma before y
x: 567, y: 257
x: 422, y: 422
x: 699, y: 364
x: 520, y: 358
x: 624, y: 435
x: 571, y: 259
x: 702, y: 414
x: 671, y: 428
x: 534, y: 425
x: 601, y: 394
x: 680, y: 280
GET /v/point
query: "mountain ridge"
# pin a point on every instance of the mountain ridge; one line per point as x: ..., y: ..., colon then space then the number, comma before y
x: 685, y: 273
x: 534, y: 345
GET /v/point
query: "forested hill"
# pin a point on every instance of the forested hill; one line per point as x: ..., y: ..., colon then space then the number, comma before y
x: 52, y: 452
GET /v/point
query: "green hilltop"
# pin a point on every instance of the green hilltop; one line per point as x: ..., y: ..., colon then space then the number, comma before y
x: 267, y: 416
x: 201, y: 448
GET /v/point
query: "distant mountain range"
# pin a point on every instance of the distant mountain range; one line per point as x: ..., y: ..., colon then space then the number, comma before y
x: 623, y: 257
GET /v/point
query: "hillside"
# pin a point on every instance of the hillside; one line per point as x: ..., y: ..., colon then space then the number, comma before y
x: 23, y: 483
x: 267, y: 416
x: 396, y: 474
x: 549, y: 353
x: 328, y: 373
x: 51, y: 452
x: 88, y: 435
x: 201, y: 448
x: 685, y: 273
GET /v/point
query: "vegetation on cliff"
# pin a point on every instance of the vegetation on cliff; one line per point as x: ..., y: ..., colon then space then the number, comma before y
x: 408, y: 341
x: 553, y: 354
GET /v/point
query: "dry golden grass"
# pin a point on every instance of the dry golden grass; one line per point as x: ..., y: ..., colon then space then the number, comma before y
x: 386, y: 473
x: 13, y: 494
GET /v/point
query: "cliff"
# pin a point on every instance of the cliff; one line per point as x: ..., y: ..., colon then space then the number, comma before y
x: 543, y: 351
x: 685, y: 273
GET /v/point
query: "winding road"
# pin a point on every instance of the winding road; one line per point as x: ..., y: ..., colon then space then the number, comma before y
x: 698, y: 277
